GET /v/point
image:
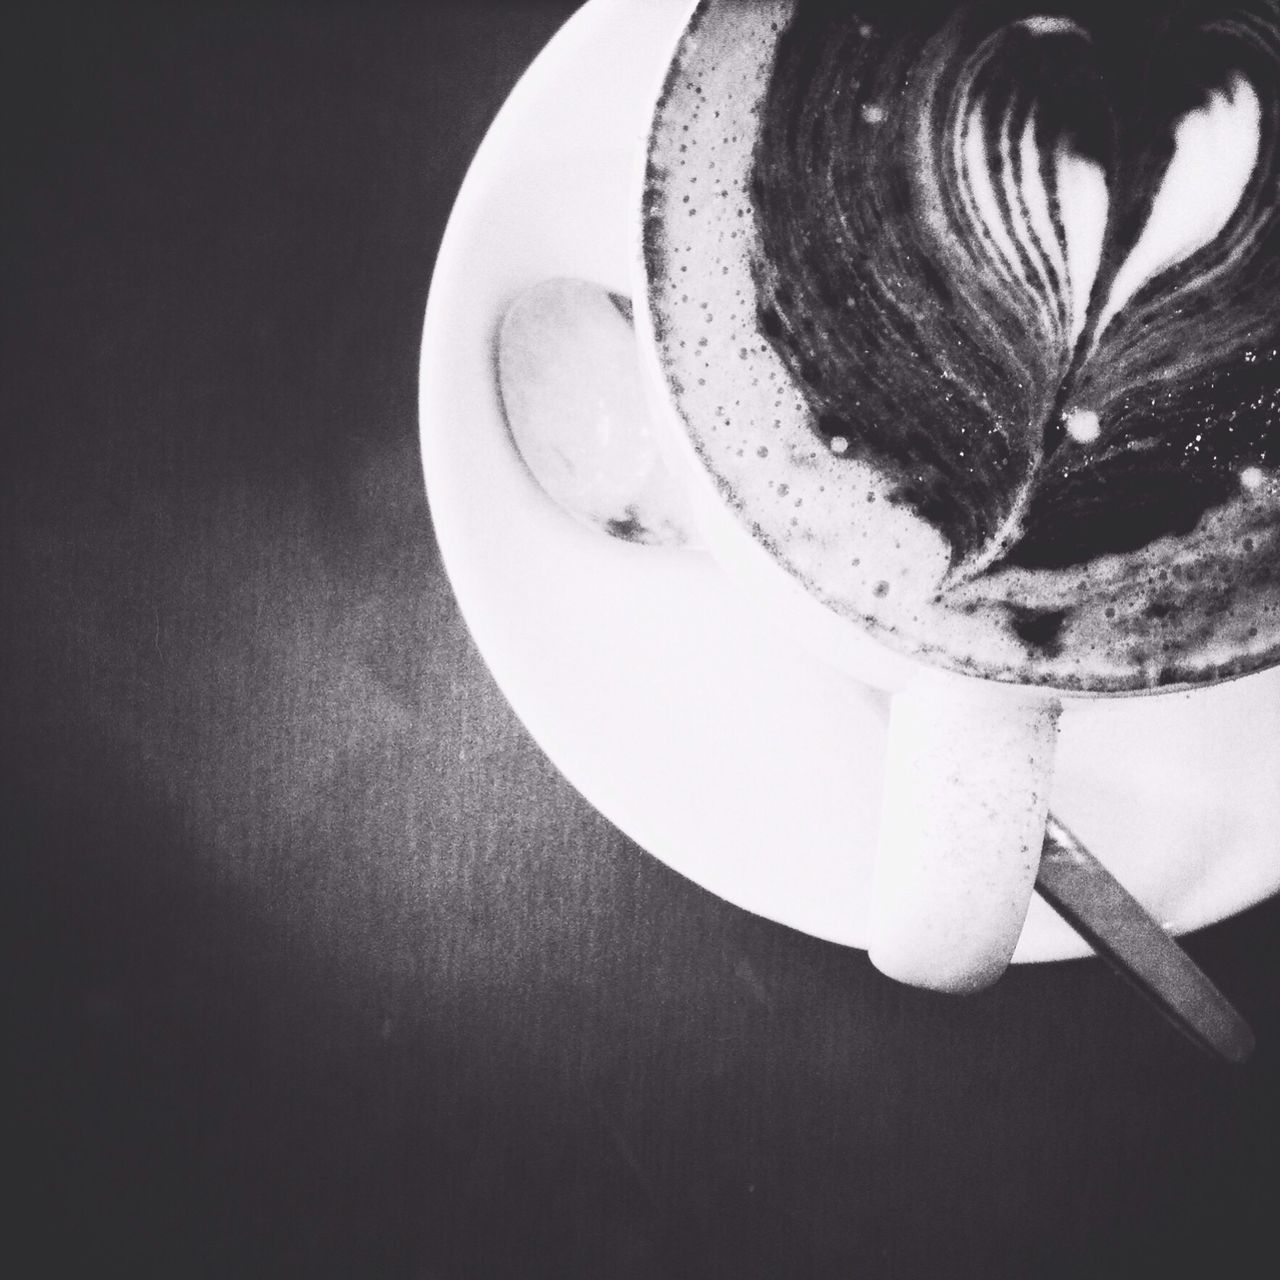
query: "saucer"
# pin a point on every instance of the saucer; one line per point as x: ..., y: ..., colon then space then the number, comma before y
x: 666, y: 699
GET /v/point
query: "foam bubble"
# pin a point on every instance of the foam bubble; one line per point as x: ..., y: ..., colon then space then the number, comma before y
x: 1083, y: 425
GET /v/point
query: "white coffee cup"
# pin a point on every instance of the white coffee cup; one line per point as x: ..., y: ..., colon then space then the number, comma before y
x: 970, y: 759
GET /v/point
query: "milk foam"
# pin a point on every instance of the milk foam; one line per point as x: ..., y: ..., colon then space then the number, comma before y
x: 1186, y: 605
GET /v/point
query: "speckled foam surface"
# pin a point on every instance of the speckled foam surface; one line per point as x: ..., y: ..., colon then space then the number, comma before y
x: 885, y: 519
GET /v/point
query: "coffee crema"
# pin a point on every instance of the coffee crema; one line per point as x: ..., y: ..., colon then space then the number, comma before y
x: 971, y: 313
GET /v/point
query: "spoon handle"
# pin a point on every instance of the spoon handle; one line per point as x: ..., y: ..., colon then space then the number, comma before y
x: 1135, y: 945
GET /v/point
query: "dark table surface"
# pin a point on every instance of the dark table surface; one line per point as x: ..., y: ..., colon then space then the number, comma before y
x: 313, y: 965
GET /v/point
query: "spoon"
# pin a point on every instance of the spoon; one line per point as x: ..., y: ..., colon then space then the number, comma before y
x: 574, y: 402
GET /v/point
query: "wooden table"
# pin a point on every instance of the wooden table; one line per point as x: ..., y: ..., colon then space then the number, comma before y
x: 314, y: 966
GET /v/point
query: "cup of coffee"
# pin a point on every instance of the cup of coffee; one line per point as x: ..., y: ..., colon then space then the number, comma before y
x: 963, y: 323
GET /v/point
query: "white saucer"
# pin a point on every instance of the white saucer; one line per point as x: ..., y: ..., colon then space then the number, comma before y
x: 717, y: 745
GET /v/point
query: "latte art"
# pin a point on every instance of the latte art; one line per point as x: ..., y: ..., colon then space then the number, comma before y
x: 973, y: 314
x: 1028, y: 263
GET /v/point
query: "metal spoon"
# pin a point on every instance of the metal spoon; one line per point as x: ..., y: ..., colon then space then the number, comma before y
x: 1116, y: 925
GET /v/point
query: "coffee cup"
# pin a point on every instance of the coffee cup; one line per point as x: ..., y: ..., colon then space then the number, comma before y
x: 966, y: 352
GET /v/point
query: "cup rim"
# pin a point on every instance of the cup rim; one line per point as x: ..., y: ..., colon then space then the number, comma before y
x: 859, y: 643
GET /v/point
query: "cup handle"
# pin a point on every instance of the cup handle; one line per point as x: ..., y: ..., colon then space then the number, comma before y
x: 967, y: 777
